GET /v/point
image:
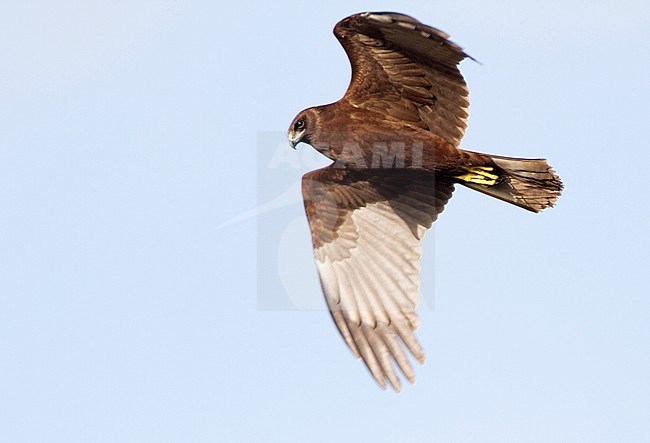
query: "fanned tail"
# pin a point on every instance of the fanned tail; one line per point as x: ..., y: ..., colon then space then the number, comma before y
x: 528, y: 183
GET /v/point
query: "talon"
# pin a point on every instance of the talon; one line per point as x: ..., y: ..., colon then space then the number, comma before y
x: 479, y: 175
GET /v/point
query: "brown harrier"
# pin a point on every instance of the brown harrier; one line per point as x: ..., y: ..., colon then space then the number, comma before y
x: 394, y: 138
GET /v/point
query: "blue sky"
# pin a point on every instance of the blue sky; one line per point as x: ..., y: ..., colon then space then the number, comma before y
x: 130, y: 132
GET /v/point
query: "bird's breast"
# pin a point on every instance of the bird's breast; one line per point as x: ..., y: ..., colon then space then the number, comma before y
x: 375, y: 147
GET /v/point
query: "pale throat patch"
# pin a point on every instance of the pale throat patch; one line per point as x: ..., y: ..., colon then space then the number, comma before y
x: 295, y: 136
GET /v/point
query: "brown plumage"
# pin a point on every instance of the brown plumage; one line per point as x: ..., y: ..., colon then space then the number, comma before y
x: 394, y: 138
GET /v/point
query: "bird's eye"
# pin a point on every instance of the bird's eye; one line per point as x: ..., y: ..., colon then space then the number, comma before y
x: 299, y: 124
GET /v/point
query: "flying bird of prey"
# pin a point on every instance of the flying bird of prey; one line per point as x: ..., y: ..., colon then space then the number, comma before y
x: 394, y: 138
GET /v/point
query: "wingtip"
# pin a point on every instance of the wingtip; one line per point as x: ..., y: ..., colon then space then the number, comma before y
x: 394, y: 381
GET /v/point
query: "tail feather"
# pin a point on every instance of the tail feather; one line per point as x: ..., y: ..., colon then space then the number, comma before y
x: 528, y: 183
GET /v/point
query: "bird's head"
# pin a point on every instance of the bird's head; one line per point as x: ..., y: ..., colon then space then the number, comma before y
x: 303, y: 127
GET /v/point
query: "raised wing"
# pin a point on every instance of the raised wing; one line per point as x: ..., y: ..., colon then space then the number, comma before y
x: 406, y: 71
x: 366, y: 229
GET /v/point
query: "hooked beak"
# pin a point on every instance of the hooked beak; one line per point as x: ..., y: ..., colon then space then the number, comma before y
x: 294, y: 138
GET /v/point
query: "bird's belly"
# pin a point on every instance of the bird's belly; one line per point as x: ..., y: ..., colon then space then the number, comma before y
x: 378, y: 151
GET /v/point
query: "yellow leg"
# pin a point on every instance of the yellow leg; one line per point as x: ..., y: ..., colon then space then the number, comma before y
x: 479, y: 175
